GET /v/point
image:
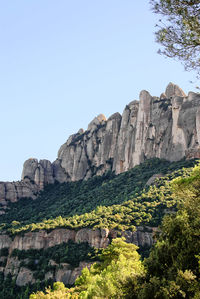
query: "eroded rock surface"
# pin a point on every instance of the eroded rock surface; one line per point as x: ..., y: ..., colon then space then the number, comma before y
x: 99, y: 238
x: 24, y: 277
x: 13, y: 191
x: 165, y: 127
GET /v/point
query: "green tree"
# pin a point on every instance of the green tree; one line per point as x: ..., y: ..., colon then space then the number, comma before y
x: 173, y: 266
x: 179, y: 30
x: 58, y: 292
x: 113, y: 277
x: 119, y: 269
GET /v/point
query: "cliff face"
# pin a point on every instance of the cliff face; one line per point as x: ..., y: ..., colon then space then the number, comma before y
x: 12, y: 191
x: 98, y: 238
x: 166, y: 127
x: 42, y: 240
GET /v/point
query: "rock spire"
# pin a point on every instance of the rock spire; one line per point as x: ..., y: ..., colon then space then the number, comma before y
x: 165, y: 127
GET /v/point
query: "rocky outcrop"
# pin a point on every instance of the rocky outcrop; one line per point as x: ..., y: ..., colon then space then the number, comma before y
x: 167, y: 127
x: 24, y: 277
x: 36, y: 174
x: 68, y: 275
x: 43, y: 172
x: 153, y: 178
x: 12, y: 191
x: 99, y: 238
x: 63, y: 272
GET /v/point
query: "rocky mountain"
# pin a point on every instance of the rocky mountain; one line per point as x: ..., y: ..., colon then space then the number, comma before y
x: 59, y: 233
x: 62, y: 231
x: 165, y: 127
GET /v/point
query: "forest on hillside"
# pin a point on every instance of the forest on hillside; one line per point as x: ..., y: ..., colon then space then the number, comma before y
x: 110, y: 201
x: 172, y: 269
x: 122, y: 202
x: 155, y: 194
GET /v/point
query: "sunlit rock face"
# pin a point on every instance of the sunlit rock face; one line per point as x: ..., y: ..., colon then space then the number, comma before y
x: 12, y: 191
x: 99, y: 238
x: 165, y: 127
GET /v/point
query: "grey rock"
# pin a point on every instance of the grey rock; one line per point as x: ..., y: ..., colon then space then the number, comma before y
x: 100, y: 119
x: 41, y: 173
x: 24, y: 277
x: 59, y: 173
x: 163, y: 96
x: 174, y: 90
x: 153, y: 178
x: 99, y: 238
x: 12, y: 266
x: 67, y: 275
x: 167, y: 127
x: 12, y: 192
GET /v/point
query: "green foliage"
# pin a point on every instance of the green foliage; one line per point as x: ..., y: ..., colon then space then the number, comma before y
x: 137, y: 204
x: 9, y: 290
x: 173, y: 268
x: 4, y: 252
x: 59, y: 291
x: 179, y: 34
x: 75, y: 198
x: 3, y: 256
x: 173, y: 265
x: 38, y: 260
x: 120, y: 265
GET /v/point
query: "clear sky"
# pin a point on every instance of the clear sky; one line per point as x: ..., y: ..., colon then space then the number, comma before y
x: 64, y: 62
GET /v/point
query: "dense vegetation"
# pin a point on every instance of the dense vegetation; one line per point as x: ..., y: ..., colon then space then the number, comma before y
x: 75, y: 198
x: 105, y: 279
x: 9, y: 289
x: 115, y: 201
x: 121, y: 202
x: 172, y: 269
x: 42, y: 261
x: 38, y: 259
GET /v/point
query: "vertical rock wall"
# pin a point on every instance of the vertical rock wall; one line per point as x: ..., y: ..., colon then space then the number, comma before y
x: 41, y: 240
x: 167, y: 127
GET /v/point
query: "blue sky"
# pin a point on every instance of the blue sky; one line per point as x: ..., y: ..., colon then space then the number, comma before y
x: 64, y: 62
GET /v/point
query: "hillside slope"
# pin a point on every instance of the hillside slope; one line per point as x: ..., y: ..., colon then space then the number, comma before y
x: 102, y: 201
x: 113, y: 179
x: 39, y: 246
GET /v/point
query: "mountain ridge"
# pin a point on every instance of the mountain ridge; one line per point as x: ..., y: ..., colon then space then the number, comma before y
x: 165, y: 127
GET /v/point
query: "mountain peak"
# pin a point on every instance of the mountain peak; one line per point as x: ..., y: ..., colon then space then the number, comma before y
x: 174, y: 90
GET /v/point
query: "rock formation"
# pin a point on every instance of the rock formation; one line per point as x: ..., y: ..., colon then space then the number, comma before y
x: 167, y: 127
x: 98, y: 238
x: 35, y: 176
x: 12, y: 191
